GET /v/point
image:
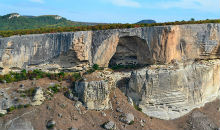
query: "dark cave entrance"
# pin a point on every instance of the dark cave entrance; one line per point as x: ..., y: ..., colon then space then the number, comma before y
x: 131, y: 51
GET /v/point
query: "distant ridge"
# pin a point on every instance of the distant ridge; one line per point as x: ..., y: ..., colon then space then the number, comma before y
x: 146, y: 21
x: 15, y: 21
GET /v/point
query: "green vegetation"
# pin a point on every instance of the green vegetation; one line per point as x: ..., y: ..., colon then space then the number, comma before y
x: 30, y: 92
x: 32, y: 22
x: 96, y: 27
x: 55, y: 89
x: 17, y: 107
x: 1, y: 115
x: 118, y: 67
x: 11, y: 109
x: 137, y: 108
x: 95, y: 67
x: 131, y: 123
x: 76, y: 76
x: 37, y: 74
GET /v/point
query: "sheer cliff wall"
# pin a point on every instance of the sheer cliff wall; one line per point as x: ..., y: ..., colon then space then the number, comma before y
x: 76, y: 50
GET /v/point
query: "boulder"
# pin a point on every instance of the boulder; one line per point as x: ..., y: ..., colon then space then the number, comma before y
x: 5, y: 100
x: 94, y: 94
x: 3, y: 112
x: 127, y: 118
x: 110, y: 125
x: 51, y: 124
x: 38, y: 97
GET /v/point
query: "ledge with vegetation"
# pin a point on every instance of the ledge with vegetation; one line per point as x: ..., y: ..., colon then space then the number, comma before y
x: 98, y: 27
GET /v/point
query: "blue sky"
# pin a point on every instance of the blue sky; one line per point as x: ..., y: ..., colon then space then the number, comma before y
x: 116, y: 11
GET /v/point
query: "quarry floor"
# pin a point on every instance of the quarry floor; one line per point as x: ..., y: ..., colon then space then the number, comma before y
x: 63, y: 111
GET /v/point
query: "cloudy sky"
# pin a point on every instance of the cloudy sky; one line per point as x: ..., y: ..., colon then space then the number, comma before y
x: 116, y: 11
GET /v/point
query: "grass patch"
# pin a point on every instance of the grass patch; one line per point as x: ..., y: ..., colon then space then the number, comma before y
x: 131, y: 123
x: 38, y: 74
x: 137, y: 108
x: 11, y: 109
x: 55, y: 89
x: 1, y: 115
x: 30, y: 92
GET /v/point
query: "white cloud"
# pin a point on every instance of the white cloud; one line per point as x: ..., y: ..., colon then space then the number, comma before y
x: 125, y: 3
x: 38, y: 1
x: 203, y: 5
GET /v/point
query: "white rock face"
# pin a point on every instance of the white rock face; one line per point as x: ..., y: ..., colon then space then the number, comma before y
x: 168, y: 92
x: 14, y: 15
x: 38, y: 97
x: 76, y: 50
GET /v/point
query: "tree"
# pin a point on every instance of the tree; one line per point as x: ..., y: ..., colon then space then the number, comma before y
x: 192, y: 19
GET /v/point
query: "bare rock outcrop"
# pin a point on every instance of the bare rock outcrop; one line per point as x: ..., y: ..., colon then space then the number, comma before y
x: 94, y: 94
x: 73, y: 51
x: 38, y: 97
x: 168, y: 91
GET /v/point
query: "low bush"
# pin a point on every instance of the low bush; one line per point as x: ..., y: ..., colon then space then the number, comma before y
x: 136, y: 107
x: 55, y: 89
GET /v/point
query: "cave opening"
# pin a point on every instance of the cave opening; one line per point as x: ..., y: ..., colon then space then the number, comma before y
x: 131, y: 51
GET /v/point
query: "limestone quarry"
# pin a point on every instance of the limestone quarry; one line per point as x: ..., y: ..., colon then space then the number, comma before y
x: 175, y: 73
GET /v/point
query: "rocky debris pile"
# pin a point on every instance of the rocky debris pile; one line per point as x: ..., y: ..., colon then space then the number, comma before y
x: 93, y: 94
x: 110, y: 125
x: 38, y: 97
x: 200, y: 121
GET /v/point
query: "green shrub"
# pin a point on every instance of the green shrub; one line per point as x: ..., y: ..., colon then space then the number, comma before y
x: 11, y: 109
x: 95, y: 66
x: 20, y: 106
x: 137, y: 108
x: 30, y: 92
x: 55, y: 89
x: 90, y: 71
x: 76, y: 76
x: 27, y: 105
x: 1, y: 115
x: 23, y: 95
x: 131, y: 123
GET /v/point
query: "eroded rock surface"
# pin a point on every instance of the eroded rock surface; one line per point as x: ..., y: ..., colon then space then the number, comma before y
x: 74, y: 51
x: 94, y: 94
x: 168, y: 91
x: 38, y: 97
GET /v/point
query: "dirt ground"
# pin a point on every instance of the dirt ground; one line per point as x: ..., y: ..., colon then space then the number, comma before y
x: 63, y: 111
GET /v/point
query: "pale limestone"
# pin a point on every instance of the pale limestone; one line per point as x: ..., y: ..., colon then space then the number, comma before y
x: 72, y: 51
x: 168, y: 92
